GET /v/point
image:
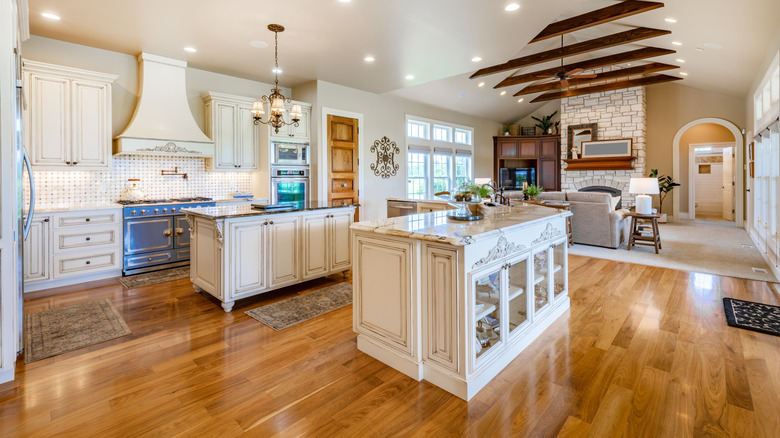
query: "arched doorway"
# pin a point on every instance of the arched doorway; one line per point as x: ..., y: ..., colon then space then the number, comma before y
x: 738, y: 165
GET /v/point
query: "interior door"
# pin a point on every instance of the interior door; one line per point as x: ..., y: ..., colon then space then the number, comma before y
x: 343, y: 150
x: 728, y: 183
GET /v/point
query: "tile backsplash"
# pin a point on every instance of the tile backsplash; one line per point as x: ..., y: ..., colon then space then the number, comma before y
x: 72, y: 187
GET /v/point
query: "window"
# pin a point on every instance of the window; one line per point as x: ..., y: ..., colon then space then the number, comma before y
x: 462, y: 168
x: 462, y: 136
x: 434, y: 164
x: 415, y: 129
x: 442, y: 133
x: 417, y: 170
x: 442, y: 162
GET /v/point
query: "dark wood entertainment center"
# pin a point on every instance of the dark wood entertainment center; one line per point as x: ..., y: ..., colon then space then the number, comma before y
x: 542, y: 152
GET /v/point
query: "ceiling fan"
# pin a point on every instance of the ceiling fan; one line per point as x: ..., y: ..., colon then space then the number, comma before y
x: 563, y: 76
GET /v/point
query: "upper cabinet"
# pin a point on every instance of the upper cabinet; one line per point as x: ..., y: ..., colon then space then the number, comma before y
x: 230, y: 124
x: 67, y: 116
x: 291, y: 132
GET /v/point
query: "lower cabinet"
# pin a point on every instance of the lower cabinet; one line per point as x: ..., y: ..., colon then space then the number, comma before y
x: 326, y: 244
x: 36, y: 266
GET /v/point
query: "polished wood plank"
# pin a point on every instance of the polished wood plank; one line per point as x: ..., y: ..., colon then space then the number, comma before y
x: 628, y: 83
x: 642, y: 351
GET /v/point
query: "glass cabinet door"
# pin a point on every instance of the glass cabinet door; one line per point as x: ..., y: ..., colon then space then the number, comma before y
x: 560, y: 286
x: 541, y: 281
x: 517, y: 293
x: 487, y: 293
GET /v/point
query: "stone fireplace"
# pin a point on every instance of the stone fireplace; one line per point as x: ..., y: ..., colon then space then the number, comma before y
x: 619, y: 114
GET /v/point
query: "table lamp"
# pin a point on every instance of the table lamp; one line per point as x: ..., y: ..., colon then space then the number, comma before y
x: 643, y: 187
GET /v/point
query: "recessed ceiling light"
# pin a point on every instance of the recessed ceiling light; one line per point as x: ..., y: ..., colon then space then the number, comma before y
x: 680, y: 60
x: 481, y: 84
x: 190, y: 49
x: 682, y: 73
x: 512, y: 7
x: 51, y: 16
x: 670, y: 20
x: 503, y: 93
x: 368, y: 59
x: 476, y: 59
x: 712, y: 46
x: 520, y: 100
x: 699, y: 49
x: 258, y: 44
x: 276, y: 70
x: 677, y: 43
x: 409, y: 77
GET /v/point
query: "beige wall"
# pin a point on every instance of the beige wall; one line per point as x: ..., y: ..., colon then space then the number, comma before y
x: 670, y: 106
x: 704, y: 133
x: 385, y: 115
x: 544, y: 110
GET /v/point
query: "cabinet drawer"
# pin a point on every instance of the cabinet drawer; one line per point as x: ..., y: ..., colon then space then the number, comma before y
x: 86, y: 237
x: 96, y: 218
x: 66, y: 265
x: 148, y: 259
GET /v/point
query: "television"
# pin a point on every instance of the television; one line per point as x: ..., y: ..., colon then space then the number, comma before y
x: 512, y: 178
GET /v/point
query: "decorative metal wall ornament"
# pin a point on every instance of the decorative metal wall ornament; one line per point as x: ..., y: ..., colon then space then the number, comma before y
x: 385, y: 165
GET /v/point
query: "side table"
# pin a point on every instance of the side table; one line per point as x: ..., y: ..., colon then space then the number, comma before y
x: 636, y: 237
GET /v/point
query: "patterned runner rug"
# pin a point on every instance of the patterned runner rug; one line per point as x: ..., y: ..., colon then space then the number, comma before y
x: 150, y: 278
x: 748, y: 315
x: 55, y: 331
x: 295, y: 310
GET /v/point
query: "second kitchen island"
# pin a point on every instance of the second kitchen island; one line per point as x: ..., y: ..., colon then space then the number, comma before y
x: 239, y: 251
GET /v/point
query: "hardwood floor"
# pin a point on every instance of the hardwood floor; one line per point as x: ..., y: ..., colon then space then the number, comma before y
x: 644, y: 351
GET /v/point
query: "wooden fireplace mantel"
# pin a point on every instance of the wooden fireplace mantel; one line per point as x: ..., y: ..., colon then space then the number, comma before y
x: 605, y: 163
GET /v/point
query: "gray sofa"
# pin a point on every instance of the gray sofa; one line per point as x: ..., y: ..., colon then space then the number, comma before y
x: 594, y: 222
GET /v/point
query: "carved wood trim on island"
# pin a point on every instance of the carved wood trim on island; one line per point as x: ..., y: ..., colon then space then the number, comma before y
x: 606, y: 163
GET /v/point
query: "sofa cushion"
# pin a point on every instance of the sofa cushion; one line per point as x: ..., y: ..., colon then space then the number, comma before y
x: 551, y: 196
x: 601, y: 198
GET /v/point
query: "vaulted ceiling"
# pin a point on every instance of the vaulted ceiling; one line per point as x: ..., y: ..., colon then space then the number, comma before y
x: 723, y: 41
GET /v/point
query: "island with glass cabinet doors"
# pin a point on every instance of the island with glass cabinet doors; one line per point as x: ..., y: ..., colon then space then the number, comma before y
x: 454, y: 302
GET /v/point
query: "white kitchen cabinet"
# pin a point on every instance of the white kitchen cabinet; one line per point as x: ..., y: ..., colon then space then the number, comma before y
x: 230, y: 124
x: 301, y: 132
x: 326, y: 243
x: 67, y: 120
x: 36, y: 266
x: 73, y: 247
x: 248, y: 240
x: 283, y: 250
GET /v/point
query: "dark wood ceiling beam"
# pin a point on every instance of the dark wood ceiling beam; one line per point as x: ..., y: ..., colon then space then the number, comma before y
x: 633, y: 55
x: 613, y: 40
x: 625, y: 72
x: 650, y: 80
x: 594, y: 18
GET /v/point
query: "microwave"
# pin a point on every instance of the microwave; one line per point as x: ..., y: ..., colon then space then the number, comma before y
x: 290, y: 154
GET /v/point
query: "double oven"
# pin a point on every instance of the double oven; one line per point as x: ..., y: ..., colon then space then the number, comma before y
x: 290, y: 173
x: 156, y: 234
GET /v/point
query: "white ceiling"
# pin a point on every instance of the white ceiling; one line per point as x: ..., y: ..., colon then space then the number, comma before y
x: 434, y: 40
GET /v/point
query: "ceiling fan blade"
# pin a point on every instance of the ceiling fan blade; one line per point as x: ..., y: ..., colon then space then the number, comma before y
x: 543, y: 81
x: 584, y: 76
x: 574, y: 72
x: 564, y: 83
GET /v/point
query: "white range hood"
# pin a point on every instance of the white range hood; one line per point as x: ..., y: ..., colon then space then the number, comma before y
x: 163, y: 123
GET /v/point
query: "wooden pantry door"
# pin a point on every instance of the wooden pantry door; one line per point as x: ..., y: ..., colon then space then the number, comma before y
x: 343, y: 150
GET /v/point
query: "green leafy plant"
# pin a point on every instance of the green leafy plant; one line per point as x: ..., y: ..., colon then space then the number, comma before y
x: 484, y: 190
x: 545, y: 122
x: 533, y: 190
x: 665, y: 185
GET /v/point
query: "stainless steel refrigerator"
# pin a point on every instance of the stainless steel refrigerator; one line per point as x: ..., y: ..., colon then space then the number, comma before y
x: 24, y: 208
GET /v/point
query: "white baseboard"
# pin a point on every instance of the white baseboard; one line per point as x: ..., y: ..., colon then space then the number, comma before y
x: 762, y: 250
x: 49, y: 284
x: 684, y: 215
x: 7, y: 373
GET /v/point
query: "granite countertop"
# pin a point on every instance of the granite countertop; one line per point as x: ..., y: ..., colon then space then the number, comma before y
x: 245, y: 210
x: 436, y: 227
x: 439, y: 200
x: 113, y: 205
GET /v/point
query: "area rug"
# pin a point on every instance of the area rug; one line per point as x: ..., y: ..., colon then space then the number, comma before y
x: 291, y: 311
x: 55, y: 331
x: 748, y: 315
x: 150, y: 278
x: 710, y: 247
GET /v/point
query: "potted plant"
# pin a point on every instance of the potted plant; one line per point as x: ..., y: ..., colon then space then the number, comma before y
x: 665, y: 185
x: 532, y: 191
x: 545, y: 123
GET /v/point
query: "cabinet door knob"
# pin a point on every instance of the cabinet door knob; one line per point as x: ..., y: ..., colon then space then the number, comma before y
x: 167, y: 232
x: 270, y: 222
x: 179, y: 231
x: 88, y: 239
x: 87, y: 219
x: 68, y: 163
x: 46, y: 220
x: 150, y: 259
x: 75, y: 163
x: 88, y: 261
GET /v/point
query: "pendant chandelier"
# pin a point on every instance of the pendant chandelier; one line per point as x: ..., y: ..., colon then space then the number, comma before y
x: 277, y: 99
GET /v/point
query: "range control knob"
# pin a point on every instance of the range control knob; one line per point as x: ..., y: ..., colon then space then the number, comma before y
x: 133, y: 212
x: 143, y: 212
x: 165, y: 210
x: 173, y: 209
x: 156, y: 210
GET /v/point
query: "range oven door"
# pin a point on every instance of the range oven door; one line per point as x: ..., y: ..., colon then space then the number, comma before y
x: 148, y: 241
x: 290, y: 190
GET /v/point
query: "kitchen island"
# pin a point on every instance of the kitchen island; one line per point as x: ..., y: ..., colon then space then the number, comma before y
x: 454, y: 302
x: 238, y: 251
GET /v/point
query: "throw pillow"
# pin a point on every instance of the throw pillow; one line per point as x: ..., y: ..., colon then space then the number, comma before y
x: 615, y: 200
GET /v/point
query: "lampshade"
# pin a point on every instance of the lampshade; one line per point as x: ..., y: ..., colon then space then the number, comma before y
x: 295, y: 112
x: 643, y: 186
x: 277, y: 106
x: 257, y: 108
